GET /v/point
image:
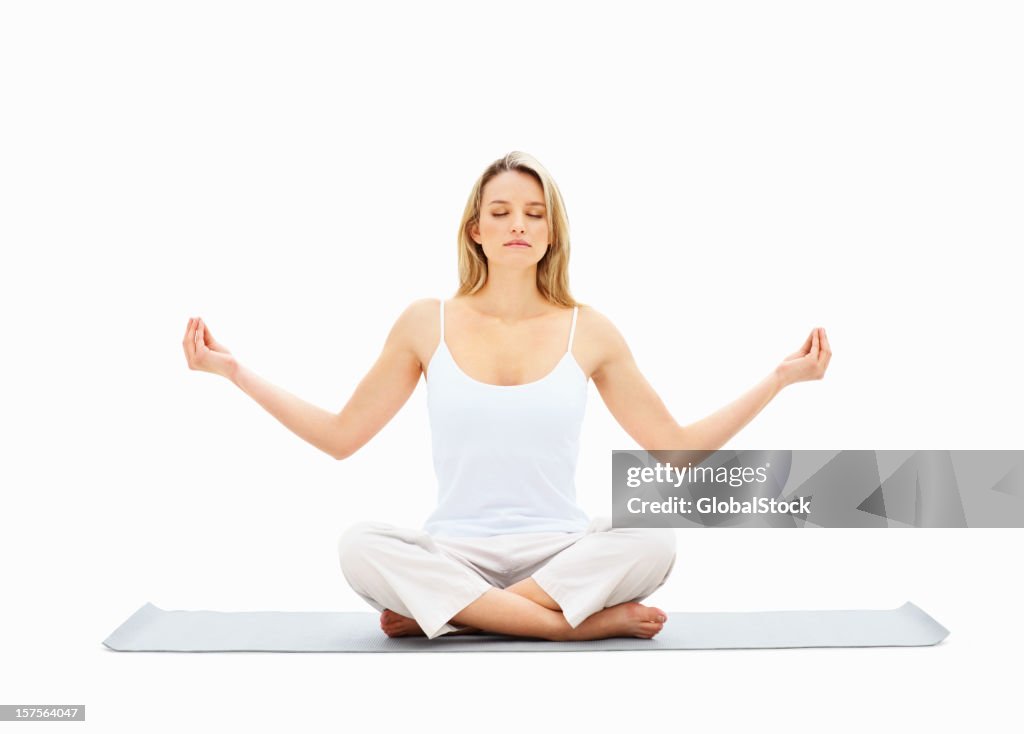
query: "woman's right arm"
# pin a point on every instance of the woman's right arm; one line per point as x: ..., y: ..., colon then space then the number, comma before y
x: 376, y: 400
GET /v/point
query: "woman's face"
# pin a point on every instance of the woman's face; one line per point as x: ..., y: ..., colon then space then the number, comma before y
x: 512, y: 208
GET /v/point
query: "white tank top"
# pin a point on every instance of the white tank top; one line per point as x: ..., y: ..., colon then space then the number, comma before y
x: 505, y: 455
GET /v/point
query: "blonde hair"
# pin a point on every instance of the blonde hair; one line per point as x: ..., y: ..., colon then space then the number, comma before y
x: 553, y: 268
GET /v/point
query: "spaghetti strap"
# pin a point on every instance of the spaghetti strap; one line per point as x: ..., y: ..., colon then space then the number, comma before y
x: 441, y: 341
x: 572, y: 331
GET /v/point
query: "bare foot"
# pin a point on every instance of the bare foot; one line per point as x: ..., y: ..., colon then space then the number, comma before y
x: 397, y: 625
x: 629, y: 619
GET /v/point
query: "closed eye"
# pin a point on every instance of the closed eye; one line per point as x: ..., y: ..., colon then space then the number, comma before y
x: 535, y: 216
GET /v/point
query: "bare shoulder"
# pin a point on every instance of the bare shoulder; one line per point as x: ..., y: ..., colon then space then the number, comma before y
x: 422, y: 310
x: 597, y: 340
x: 595, y: 327
x: 417, y: 328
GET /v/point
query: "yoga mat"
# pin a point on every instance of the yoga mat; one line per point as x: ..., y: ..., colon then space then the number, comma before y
x: 157, y: 630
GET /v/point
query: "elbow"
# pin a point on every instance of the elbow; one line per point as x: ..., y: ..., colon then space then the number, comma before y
x: 339, y: 443
x: 699, y: 444
x: 344, y: 450
x: 339, y: 449
x: 673, y: 437
x: 693, y: 438
x: 682, y: 444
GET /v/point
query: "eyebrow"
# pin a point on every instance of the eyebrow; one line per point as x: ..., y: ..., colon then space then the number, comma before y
x: 529, y: 203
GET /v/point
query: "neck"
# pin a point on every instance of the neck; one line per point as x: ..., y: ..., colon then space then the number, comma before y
x: 510, y: 295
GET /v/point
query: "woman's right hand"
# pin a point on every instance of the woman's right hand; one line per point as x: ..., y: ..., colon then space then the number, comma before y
x: 205, y: 353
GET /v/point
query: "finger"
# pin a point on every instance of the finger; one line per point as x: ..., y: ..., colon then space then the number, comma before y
x: 805, y: 347
x: 814, y: 344
x: 824, y: 342
x: 190, y: 340
x: 206, y: 340
x: 802, y: 351
x: 211, y: 342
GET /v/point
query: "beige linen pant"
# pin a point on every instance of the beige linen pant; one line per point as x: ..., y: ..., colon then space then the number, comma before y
x: 431, y: 579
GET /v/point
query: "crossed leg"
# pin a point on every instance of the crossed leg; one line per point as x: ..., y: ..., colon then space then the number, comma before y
x: 598, y: 576
x: 526, y: 610
x: 396, y: 625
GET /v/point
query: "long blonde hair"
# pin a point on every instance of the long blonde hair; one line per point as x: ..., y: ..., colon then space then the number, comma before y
x: 553, y: 268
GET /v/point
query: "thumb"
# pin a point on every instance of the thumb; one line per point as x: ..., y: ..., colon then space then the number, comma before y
x: 208, y: 337
x: 814, y: 345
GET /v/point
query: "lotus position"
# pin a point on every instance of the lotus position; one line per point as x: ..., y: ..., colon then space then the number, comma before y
x: 507, y: 363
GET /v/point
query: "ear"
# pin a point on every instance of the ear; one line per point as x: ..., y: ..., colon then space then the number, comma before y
x: 474, y: 233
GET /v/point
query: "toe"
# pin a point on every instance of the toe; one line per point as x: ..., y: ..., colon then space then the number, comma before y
x: 656, y: 615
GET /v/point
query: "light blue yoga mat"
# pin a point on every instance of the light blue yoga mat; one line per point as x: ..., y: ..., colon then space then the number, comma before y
x: 157, y: 630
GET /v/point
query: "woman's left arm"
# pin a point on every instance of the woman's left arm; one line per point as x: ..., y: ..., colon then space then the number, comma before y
x: 643, y: 415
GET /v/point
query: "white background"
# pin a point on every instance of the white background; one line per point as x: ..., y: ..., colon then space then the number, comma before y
x: 735, y: 175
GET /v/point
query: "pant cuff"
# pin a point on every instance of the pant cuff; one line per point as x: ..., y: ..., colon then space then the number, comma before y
x: 573, y: 614
x: 439, y: 624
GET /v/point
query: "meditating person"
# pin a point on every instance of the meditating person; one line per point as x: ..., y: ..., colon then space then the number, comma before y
x: 507, y: 362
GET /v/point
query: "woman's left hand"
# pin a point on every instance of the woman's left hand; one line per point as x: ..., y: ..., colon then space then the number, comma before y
x: 809, y: 362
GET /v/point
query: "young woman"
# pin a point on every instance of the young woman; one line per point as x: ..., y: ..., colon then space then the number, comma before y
x: 507, y: 363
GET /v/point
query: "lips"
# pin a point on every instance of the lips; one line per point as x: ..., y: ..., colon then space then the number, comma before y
x: 517, y: 243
